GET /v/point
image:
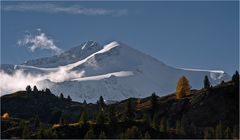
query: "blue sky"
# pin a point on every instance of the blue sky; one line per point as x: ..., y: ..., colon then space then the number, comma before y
x: 196, y: 35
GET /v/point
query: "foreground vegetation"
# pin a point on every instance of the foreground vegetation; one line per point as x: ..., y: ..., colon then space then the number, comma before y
x: 211, y: 112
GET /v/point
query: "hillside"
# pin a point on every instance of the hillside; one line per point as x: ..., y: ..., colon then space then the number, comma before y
x: 202, y: 110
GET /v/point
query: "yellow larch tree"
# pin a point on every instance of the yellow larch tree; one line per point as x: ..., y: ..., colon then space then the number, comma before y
x: 183, y: 88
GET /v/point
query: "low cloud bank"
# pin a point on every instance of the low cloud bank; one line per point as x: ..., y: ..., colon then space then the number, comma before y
x: 19, y: 80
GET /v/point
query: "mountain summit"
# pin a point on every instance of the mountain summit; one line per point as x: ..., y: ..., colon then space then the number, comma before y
x: 114, y: 71
x: 70, y: 56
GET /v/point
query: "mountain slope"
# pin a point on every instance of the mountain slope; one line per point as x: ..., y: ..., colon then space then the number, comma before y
x: 202, y: 109
x: 115, y: 72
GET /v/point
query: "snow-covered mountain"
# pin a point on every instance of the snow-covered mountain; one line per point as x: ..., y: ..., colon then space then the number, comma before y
x: 114, y: 71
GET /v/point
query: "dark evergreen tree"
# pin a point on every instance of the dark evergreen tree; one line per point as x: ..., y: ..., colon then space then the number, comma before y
x: 146, y: 119
x: 227, y: 133
x: 133, y: 133
x: 147, y: 135
x: 83, y: 119
x: 193, y: 129
x: 85, y: 102
x: 48, y: 91
x: 208, y: 133
x: 22, y: 124
x: 183, y: 125
x: 102, y: 135
x: 178, y: 127
x: 219, y: 131
x: 69, y: 98
x: 222, y: 82
x: 40, y: 134
x: 28, y: 89
x: 36, y: 122
x: 90, y: 134
x: 112, y: 115
x: 62, y: 121
x: 154, y: 122
x: 26, y: 132
x: 153, y: 104
x: 235, y: 77
x: 101, y: 102
x: 101, y: 119
x: 206, y: 82
x: 236, y: 132
x: 61, y: 96
x: 168, y: 124
x: 129, y: 112
x: 163, y: 125
x: 35, y: 90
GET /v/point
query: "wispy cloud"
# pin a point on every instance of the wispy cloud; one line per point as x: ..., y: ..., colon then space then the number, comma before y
x: 56, y: 8
x: 40, y: 40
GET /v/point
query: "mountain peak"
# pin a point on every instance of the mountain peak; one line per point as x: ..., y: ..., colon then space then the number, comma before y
x: 89, y: 44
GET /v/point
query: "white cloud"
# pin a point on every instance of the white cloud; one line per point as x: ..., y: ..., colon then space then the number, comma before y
x: 19, y: 80
x: 40, y: 40
x: 56, y: 8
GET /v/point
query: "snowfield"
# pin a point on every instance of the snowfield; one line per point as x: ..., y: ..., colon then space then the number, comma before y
x: 114, y: 71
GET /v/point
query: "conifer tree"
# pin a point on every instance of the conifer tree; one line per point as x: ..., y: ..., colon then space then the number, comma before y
x: 26, y: 131
x: 35, y: 90
x: 129, y: 113
x: 208, y: 133
x: 83, y: 118
x: 112, y: 115
x: 154, y: 122
x: 183, y: 88
x: 48, y: 91
x: 163, y: 125
x: 102, y: 135
x: 147, y: 135
x: 153, y: 104
x: 219, y: 131
x: 222, y: 82
x: 236, y: 131
x: 101, y: 102
x: 206, y: 82
x: 235, y: 77
x: 85, y: 102
x: 178, y: 127
x: 90, y: 134
x: 69, y: 98
x: 41, y: 134
x: 62, y: 121
x: 37, y: 122
x: 101, y: 119
x: 183, y: 125
x: 168, y: 124
x: 61, y: 96
x: 193, y: 129
x: 227, y: 133
x: 28, y: 89
x: 146, y: 119
x: 133, y: 133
